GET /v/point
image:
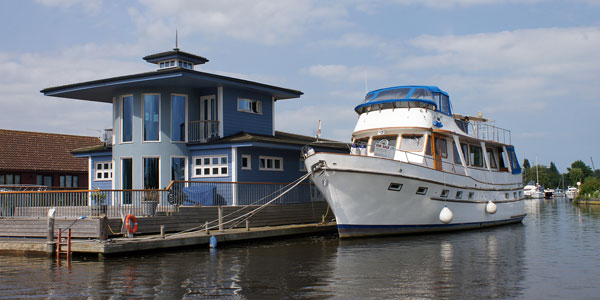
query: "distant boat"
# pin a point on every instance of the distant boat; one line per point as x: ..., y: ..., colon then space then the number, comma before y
x: 416, y: 167
x: 549, y: 194
x: 559, y: 193
x: 532, y: 191
x: 572, y: 193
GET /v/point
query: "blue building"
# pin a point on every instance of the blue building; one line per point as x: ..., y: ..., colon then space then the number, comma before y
x: 177, y: 123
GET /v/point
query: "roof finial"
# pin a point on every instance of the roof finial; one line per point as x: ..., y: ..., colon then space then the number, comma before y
x: 176, y: 41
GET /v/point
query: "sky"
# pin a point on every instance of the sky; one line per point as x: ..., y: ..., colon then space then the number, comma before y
x: 531, y: 66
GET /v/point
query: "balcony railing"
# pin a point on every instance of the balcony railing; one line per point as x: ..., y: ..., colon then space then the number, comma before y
x: 203, y: 131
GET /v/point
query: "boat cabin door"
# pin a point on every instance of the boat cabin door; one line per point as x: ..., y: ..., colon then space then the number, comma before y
x: 436, y: 152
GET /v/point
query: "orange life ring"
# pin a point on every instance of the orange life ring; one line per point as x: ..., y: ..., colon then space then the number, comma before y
x: 128, y: 219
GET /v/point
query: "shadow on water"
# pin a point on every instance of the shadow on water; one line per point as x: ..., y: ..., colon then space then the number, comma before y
x: 549, y: 256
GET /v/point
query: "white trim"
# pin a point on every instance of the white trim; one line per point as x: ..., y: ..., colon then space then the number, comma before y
x: 185, y: 137
x: 89, y: 173
x: 210, y: 166
x: 460, y: 154
x: 220, y: 109
x: 112, y: 185
x: 122, y: 103
x: 114, y: 120
x: 185, y: 177
x: 234, y: 177
x: 273, y: 114
x: 159, y: 169
x: 273, y: 159
x: 249, y: 157
x: 485, y: 157
x: 159, y: 117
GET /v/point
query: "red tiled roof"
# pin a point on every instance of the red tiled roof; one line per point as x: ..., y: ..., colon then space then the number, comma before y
x: 38, y: 151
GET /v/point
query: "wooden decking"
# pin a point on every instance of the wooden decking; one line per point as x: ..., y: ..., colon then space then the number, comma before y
x: 29, y: 235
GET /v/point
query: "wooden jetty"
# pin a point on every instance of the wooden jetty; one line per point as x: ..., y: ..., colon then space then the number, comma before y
x: 104, y: 236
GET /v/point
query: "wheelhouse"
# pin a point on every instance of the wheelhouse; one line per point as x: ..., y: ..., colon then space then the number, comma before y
x: 429, y: 97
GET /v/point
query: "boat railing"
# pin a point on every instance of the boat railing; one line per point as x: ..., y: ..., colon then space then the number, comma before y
x: 488, y: 132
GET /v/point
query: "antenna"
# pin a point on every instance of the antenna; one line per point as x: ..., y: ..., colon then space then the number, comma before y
x: 176, y: 41
x: 366, y: 87
x: 319, y: 131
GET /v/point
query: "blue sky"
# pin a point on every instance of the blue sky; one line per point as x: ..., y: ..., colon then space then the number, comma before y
x: 531, y: 65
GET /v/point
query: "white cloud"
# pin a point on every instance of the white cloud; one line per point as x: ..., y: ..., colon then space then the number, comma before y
x: 91, y: 7
x: 261, y: 21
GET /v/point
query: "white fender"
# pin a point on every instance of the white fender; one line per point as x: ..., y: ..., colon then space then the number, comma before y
x: 491, y: 208
x: 446, y: 215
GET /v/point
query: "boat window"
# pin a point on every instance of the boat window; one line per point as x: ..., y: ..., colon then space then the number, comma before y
x: 456, y: 155
x: 505, y: 195
x: 465, y: 151
x: 421, y: 94
x: 515, y: 195
x: 471, y: 195
x: 492, y: 158
x: 501, y: 160
x: 368, y: 97
x: 445, y: 193
x: 476, y: 158
x: 392, y: 94
x: 412, y: 142
x: 441, y: 147
x: 395, y: 187
x: 444, y: 105
x: 512, y: 156
x: 459, y: 194
x: 385, y: 140
x: 421, y: 190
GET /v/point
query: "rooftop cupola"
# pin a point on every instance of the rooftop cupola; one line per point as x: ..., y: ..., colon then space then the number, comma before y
x: 175, y: 59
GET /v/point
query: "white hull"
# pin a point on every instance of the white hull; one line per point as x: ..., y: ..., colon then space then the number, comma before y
x: 358, y: 190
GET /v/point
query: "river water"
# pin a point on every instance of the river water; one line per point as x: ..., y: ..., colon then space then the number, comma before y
x: 553, y: 254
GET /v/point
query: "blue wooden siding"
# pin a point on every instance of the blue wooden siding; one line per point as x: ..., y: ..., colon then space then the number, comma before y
x: 291, y: 166
x: 235, y: 121
x: 100, y: 184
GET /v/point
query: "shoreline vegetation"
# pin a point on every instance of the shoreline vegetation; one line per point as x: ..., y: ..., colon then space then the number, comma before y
x: 578, y: 172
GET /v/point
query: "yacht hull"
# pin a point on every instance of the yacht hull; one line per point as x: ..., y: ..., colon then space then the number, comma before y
x: 372, y: 196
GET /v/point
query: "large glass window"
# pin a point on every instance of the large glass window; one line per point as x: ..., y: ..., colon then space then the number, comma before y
x: 492, y: 158
x: 127, y: 178
x: 178, y: 118
x: 476, y: 157
x: 384, y: 140
x: 127, y: 127
x: 456, y: 155
x: 412, y: 142
x: 151, y: 172
x: 421, y: 94
x: 178, y: 168
x: 151, y: 117
x: 441, y: 147
x: 465, y: 151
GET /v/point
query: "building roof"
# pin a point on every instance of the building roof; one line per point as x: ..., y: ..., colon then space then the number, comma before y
x: 280, y: 137
x: 38, y: 151
x: 175, y: 53
x: 103, y: 90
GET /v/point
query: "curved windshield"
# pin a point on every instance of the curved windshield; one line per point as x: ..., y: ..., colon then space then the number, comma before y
x: 392, y: 94
x: 422, y: 94
x: 368, y: 97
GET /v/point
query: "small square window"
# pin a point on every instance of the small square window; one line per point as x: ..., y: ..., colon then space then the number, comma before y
x: 459, y: 194
x: 421, y: 190
x: 206, y: 161
x: 215, y: 160
x: 198, y: 171
x: 505, y: 195
x: 223, y: 171
x: 471, y: 195
x: 445, y: 193
x: 224, y: 160
x: 395, y: 187
x: 206, y: 171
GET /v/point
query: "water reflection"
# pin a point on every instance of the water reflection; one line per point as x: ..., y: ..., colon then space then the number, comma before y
x: 551, y: 255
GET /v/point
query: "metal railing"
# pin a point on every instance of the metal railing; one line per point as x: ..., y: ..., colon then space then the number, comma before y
x: 203, y: 131
x: 118, y: 203
x: 489, y: 132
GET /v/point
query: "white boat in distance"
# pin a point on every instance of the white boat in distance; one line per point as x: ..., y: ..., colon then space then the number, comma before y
x: 572, y: 193
x: 533, y: 191
x: 416, y: 167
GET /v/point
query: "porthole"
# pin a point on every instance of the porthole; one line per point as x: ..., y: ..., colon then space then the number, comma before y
x: 445, y: 193
x: 459, y: 194
x: 421, y: 190
x: 471, y: 195
x: 395, y: 187
x: 505, y: 195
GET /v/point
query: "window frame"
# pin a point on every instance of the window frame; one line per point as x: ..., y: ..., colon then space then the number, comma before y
x: 143, y: 100
x: 210, y: 166
x: 473, y: 156
x: 185, y: 119
x: 411, y: 134
x: 103, y: 171
x: 372, y: 146
x: 266, y: 160
x: 122, y: 117
x: 249, y: 109
x: 143, y: 177
x: 185, y: 162
x: 248, y: 158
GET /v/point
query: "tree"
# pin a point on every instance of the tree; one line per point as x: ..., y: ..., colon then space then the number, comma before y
x: 526, y: 164
x: 576, y: 175
x: 554, y: 177
x: 590, y: 187
x: 587, y: 171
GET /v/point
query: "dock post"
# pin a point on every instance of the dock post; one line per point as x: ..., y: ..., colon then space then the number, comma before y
x: 220, y: 212
x: 50, y: 244
x: 103, y: 228
x: 162, y: 231
x: 247, y: 225
x: 206, y: 227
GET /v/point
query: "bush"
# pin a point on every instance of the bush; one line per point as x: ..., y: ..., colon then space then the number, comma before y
x: 590, y: 186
